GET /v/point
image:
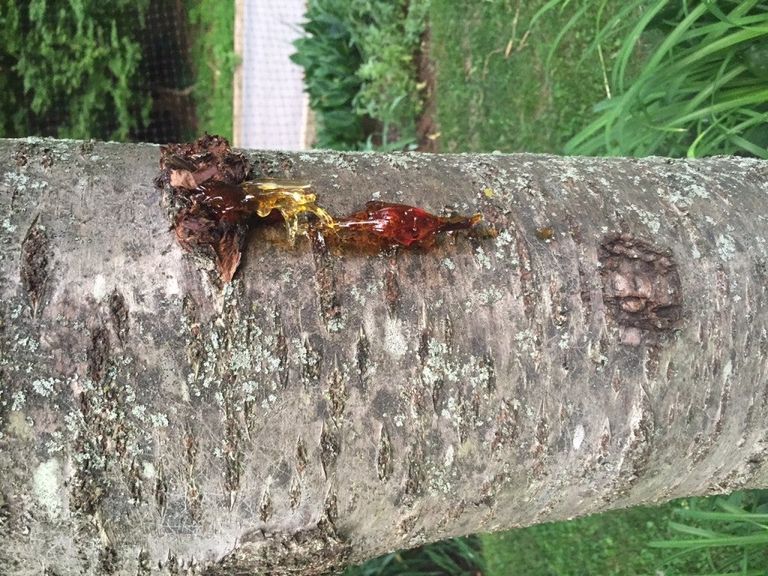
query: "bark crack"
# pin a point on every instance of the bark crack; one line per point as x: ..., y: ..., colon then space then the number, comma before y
x: 35, y: 265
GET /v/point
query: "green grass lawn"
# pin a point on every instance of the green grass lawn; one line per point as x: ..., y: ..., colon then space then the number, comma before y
x: 498, y: 87
x: 717, y: 536
x: 608, y: 544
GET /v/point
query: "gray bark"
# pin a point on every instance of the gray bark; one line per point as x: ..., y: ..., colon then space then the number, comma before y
x: 606, y: 349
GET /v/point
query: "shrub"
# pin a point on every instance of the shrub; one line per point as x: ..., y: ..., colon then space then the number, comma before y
x: 72, y: 67
x: 331, y: 59
x: 389, y: 40
x: 360, y: 70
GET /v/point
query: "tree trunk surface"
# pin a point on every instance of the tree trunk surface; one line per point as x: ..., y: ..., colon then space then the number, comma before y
x: 607, y: 348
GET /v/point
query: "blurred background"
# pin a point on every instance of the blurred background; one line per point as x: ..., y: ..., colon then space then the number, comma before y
x: 607, y: 77
x: 679, y: 78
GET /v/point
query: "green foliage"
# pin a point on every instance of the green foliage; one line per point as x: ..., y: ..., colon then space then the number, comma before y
x: 330, y: 60
x: 74, y: 65
x: 690, y: 80
x: 456, y: 557
x: 388, y: 43
x: 671, y: 77
x: 360, y: 71
x: 720, y: 535
x: 214, y: 59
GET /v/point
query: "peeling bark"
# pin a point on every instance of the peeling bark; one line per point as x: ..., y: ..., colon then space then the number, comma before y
x: 606, y: 349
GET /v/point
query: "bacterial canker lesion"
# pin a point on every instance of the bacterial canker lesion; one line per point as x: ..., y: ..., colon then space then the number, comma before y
x: 216, y: 201
x: 641, y: 284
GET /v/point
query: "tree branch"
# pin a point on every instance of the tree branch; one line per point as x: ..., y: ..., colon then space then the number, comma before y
x: 606, y: 349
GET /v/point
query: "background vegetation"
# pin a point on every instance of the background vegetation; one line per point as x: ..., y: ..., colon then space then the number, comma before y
x: 509, y: 90
x: 359, y: 60
x: 702, y: 536
x: 214, y: 62
x: 150, y: 70
x: 688, y: 79
x: 671, y: 77
x: 69, y: 69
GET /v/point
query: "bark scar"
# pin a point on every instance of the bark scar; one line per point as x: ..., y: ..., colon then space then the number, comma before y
x: 330, y: 446
x: 362, y: 359
x: 311, y: 362
x: 118, y: 314
x: 98, y: 354
x: 301, y: 457
x: 314, y: 551
x: 641, y: 285
x: 35, y: 265
x: 281, y: 349
x: 384, y: 456
x: 337, y: 395
x: 392, y: 286
x: 325, y: 275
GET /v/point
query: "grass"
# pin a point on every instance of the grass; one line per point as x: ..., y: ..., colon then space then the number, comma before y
x: 213, y: 56
x: 700, y: 90
x: 717, y: 536
x: 602, y: 77
x: 614, y: 543
x: 508, y: 90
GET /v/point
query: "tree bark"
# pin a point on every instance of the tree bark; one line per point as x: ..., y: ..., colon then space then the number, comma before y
x: 606, y: 349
